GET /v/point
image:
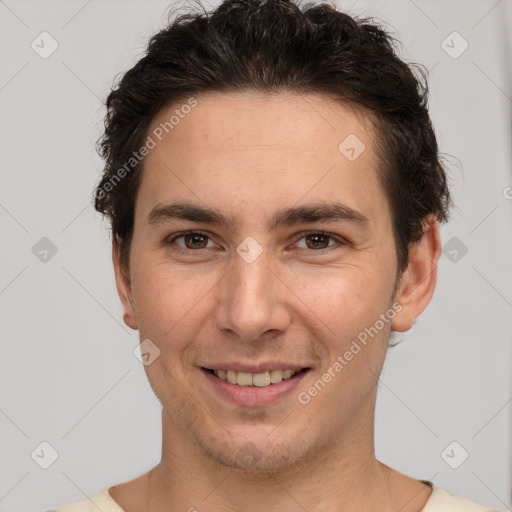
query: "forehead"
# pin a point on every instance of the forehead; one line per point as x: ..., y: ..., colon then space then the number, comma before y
x: 240, y: 116
x: 236, y: 151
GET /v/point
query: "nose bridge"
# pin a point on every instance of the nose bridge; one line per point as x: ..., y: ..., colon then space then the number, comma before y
x: 251, y: 283
x: 249, y: 303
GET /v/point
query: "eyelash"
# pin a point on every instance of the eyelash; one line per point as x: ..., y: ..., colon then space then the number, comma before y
x: 300, y: 235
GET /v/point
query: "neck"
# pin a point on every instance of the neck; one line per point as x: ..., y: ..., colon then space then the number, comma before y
x: 343, y: 475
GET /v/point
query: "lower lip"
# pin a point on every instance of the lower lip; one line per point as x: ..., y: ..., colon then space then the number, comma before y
x: 253, y: 396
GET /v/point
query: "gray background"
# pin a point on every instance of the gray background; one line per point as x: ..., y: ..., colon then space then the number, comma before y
x: 68, y: 374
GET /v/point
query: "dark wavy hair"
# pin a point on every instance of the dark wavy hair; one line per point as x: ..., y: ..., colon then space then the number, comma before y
x: 271, y: 46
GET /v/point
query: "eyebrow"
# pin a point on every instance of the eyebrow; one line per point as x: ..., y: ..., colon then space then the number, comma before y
x: 327, y: 212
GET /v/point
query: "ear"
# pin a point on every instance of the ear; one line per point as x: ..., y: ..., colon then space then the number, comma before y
x: 419, y: 279
x: 124, y: 288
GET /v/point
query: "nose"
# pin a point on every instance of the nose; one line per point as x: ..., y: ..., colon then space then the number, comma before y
x: 252, y: 300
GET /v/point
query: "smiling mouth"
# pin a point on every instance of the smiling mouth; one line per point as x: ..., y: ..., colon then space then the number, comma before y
x: 259, y: 380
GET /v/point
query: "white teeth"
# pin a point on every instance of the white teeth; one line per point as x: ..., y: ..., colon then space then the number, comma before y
x: 231, y: 376
x: 276, y: 376
x: 287, y: 374
x: 260, y: 380
x: 244, y: 379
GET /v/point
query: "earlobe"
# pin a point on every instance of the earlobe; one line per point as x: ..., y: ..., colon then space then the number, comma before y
x: 124, y: 289
x: 418, y: 282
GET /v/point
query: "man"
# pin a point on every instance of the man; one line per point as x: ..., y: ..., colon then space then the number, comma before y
x: 274, y: 187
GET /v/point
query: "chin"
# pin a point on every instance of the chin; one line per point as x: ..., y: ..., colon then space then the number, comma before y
x: 257, y: 450
x: 251, y: 459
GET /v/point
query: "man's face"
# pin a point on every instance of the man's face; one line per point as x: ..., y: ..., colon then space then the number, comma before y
x: 247, y: 293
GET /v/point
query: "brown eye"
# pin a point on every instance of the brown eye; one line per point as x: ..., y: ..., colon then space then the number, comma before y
x: 195, y: 241
x: 192, y: 240
x: 317, y: 241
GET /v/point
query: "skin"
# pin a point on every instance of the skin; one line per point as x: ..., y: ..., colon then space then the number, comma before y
x: 249, y: 155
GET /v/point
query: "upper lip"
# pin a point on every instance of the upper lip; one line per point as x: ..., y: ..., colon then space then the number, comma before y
x: 255, y: 368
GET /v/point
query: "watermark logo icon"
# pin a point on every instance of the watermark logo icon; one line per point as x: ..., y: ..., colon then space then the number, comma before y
x: 454, y: 249
x: 44, y: 45
x: 455, y: 455
x: 44, y: 250
x: 352, y: 147
x: 248, y: 455
x: 249, y: 250
x: 454, y: 45
x: 146, y: 352
x: 44, y: 455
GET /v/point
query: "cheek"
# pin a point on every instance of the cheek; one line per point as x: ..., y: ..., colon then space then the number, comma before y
x: 346, y: 297
x: 168, y: 309
x: 344, y: 315
x: 169, y: 297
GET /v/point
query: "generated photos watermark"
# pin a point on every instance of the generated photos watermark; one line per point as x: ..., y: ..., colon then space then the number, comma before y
x: 305, y: 397
x: 152, y: 140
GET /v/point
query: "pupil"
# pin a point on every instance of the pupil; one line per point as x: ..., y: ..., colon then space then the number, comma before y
x: 193, y: 238
x: 316, y: 238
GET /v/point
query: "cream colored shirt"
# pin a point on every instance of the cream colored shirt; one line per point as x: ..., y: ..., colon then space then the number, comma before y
x: 439, y: 501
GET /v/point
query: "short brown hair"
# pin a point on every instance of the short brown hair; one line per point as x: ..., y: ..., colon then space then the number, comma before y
x: 272, y: 46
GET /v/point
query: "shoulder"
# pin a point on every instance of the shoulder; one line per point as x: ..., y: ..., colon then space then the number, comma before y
x: 442, y: 501
x: 100, y: 501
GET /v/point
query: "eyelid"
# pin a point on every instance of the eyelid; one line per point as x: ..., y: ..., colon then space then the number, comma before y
x: 340, y: 240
